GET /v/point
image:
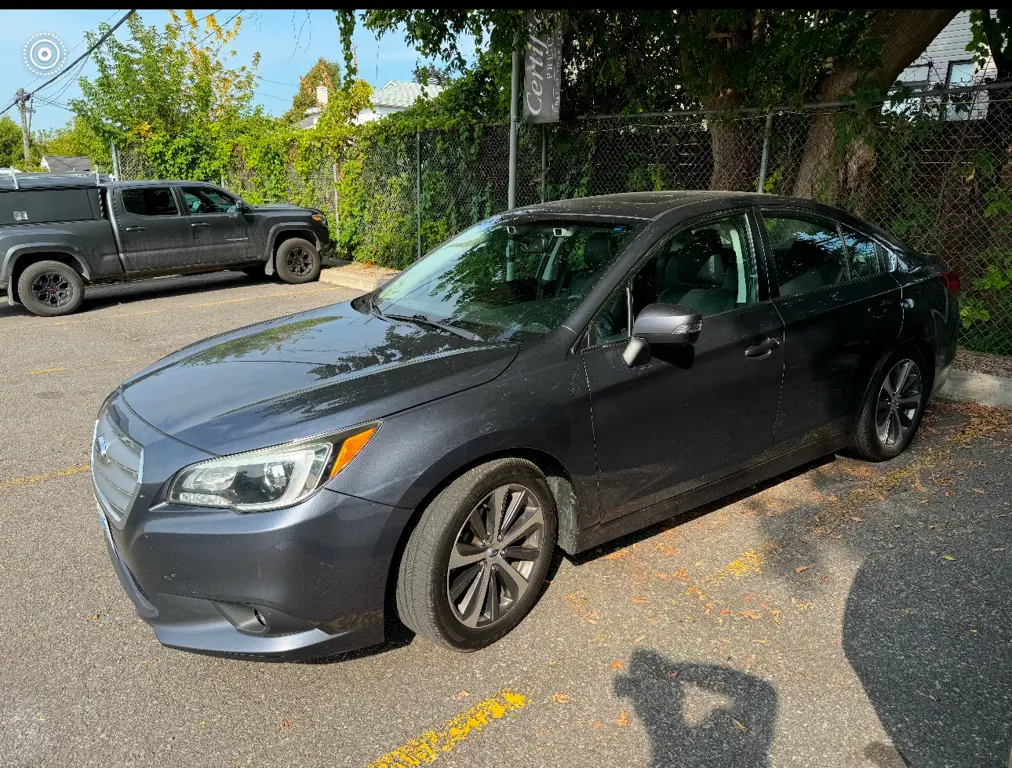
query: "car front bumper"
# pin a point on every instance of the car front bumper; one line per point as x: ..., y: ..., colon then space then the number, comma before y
x: 295, y: 583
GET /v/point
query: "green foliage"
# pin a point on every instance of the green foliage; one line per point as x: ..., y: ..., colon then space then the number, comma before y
x: 323, y: 72
x: 11, y: 150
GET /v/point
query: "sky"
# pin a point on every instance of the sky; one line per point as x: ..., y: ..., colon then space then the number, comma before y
x: 289, y: 42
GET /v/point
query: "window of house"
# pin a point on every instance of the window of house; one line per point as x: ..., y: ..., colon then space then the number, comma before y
x: 960, y: 75
x: 150, y: 201
x: 916, y: 78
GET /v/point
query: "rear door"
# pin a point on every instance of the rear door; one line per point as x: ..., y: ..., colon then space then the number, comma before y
x: 152, y: 232
x: 220, y: 234
x: 841, y: 312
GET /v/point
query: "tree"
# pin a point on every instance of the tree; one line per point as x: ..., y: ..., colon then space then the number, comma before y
x: 323, y: 72
x: 426, y: 73
x: 900, y: 37
x: 11, y: 151
x: 167, y: 84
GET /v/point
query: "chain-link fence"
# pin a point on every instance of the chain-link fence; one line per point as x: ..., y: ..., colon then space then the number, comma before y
x: 936, y: 170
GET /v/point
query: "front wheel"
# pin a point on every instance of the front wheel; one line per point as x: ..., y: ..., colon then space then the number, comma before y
x: 297, y: 261
x: 475, y: 564
x: 893, y: 407
x: 50, y: 288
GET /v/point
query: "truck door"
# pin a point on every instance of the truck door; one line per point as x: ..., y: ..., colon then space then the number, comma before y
x: 153, y: 234
x: 220, y: 233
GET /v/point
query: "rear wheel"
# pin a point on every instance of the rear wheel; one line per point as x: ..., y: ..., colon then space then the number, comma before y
x: 475, y: 564
x: 297, y: 261
x: 892, y: 408
x: 50, y: 288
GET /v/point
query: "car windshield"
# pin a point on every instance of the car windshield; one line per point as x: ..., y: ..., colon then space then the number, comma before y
x: 506, y: 280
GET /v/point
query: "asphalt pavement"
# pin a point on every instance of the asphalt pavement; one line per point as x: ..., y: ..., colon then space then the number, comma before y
x: 845, y: 614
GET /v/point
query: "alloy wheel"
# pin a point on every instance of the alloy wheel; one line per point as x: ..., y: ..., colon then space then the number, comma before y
x: 899, y: 400
x: 299, y: 261
x: 52, y: 289
x: 494, y: 554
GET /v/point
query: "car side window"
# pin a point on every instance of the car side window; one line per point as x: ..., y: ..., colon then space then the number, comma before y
x: 204, y: 200
x: 808, y: 253
x: 709, y: 267
x: 863, y: 253
x: 150, y: 201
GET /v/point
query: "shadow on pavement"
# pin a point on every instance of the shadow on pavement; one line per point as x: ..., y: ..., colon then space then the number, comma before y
x: 102, y: 296
x: 700, y: 715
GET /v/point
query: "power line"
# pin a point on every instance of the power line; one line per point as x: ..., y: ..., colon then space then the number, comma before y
x: 86, y: 54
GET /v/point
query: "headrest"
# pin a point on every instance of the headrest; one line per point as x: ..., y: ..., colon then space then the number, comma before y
x: 597, y: 249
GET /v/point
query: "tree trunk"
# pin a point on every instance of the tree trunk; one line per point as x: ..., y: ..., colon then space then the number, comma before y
x: 905, y: 34
x: 735, y: 157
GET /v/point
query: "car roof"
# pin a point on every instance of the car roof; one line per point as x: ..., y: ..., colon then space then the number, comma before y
x: 155, y: 183
x: 650, y: 205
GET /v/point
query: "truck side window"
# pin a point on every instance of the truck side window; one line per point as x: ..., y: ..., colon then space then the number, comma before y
x: 203, y: 200
x: 150, y: 201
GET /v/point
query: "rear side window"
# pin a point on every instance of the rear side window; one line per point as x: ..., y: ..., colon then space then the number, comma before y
x: 150, y: 201
x: 808, y: 253
x: 864, y: 254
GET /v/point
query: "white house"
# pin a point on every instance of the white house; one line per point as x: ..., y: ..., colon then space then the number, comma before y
x: 395, y: 96
x: 946, y: 63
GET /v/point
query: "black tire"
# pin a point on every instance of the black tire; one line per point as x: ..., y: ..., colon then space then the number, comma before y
x: 423, y: 580
x: 867, y: 441
x: 297, y: 261
x: 50, y: 288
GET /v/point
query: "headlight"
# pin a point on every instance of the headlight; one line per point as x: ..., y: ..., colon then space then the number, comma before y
x: 267, y: 479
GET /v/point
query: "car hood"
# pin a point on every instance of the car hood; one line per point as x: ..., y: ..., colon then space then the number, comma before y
x: 279, y: 207
x: 305, y: 374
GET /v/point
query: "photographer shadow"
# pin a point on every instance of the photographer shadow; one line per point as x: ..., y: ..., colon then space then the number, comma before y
x: 700, y: 715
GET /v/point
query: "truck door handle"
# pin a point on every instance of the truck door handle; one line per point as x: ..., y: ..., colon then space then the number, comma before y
x: 199, y: 224
x: 133, y: 229
x: 762, y: 348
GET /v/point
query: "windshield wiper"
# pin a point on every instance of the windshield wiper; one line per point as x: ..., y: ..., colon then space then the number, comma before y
x: 424, y: 320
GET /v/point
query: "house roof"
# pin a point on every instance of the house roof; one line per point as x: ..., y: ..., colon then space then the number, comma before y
x: 402, y: 94
x: 64, y: 163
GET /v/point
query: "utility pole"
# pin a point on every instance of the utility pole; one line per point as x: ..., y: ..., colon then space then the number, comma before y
x: 22, y: 100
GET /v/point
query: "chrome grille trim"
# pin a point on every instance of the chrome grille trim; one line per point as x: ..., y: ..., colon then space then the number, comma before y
x: 116, y: 468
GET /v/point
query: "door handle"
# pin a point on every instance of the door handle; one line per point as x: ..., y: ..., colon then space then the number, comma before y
x: 199, y: 225
x: 762, y: 348
x: 880, y: 309
x: 838, y: 296
x: 133, y: 229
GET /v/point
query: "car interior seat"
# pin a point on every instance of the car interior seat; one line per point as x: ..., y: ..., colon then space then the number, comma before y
x: 596, y: 254
x: 703, y: 275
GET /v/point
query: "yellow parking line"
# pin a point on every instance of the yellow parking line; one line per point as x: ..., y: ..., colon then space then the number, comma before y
x: 427, y: 748
x: 58, y: 473
x: 47, y: 370
x: 284, y: 295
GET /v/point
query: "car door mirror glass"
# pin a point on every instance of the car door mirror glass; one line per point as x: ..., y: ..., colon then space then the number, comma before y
x: 668, y: 324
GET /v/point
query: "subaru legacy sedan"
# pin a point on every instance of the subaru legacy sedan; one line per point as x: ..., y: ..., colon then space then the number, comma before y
x: 553, y: 377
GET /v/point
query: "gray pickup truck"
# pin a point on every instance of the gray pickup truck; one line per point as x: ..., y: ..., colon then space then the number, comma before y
x: 60, y: 233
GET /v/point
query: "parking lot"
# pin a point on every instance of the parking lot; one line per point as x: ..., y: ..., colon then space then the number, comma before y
x: 847, y: 614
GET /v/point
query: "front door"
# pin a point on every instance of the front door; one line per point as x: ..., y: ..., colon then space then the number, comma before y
x: 841, y: 313
x: 692, y: 413
x: 220, y: 233
x: 153, y: 234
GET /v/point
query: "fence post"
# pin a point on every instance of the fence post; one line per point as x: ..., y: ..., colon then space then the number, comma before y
x: 115, y: 162
x: 544, y: 158
x: 511, y: 197
x: 766, y: 152
x: 418, y: 189
x: 337, y: 209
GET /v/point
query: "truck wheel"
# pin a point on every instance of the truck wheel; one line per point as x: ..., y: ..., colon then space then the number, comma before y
x: 297, y: 261
x: 893, y: 407
x: 50, y: 288
x: 476, y: 562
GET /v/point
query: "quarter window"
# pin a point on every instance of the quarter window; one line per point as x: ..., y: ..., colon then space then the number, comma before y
x: 863, y: 254
x: 709, y: 268
x: 149, y: 201
x: 808, y: 254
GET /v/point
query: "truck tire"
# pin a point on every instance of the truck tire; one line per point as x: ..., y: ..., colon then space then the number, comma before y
x: 50, y: 288
x: 297, y: 261
x: 893, y: 407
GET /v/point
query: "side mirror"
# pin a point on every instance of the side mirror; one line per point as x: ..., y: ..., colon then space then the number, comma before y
x: 668, y: 324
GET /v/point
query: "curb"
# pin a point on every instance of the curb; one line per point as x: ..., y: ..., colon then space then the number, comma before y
x: 349, y: 276
x: 972, y: 387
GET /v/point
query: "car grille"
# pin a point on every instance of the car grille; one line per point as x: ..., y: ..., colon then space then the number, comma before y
x: 116, y: 462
